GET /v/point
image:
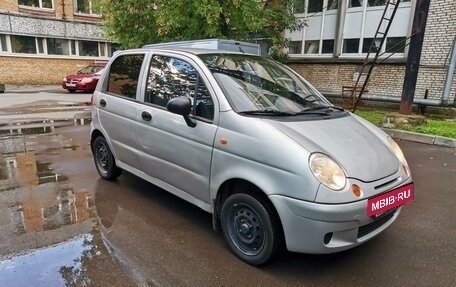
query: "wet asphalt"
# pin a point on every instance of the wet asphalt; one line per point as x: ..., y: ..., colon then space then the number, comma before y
x: 61, y: 225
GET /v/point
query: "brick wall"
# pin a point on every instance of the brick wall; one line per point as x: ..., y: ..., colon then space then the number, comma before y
x: 385, y: 79
x: 438, y: 40
x: 35, y: 71
x: 9, y: 5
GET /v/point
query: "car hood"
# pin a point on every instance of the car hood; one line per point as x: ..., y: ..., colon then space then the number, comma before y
x: 80, y: 76
x: 358, y: 148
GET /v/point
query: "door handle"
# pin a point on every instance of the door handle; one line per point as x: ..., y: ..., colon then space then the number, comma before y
x: 103, y: 102
x: 146, y: 116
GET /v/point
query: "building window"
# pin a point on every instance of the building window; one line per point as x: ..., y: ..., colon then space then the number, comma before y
x: 103, y: 49
x: 367, y: 44
x: 23, y: 44
x: 311, y: 47
x: 40, y: 44
x: 88, y: 48
x: 86, y: 6
x: 327, y: 47
x: 315, y: 6
x: 37, y: 3
x: 395, y: 44
x: 295, y: 47
x: 298, y: 7
x: 332, y: 4
x: 58, y: 46
x: 376, y: 2
x: 351, y: 46
x: 73, y: 48
x: 355, y: 3
x: 112, y: 48
x: 3, y: 45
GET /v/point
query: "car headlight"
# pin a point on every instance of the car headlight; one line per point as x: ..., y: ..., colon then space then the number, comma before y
x: 327, y: 171
x: 64, y: 79
x: 400, y: 156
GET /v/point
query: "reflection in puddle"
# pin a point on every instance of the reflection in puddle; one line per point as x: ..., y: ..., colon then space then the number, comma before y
x: 24, y: 170
x: 51, y: 210
x: 64, y: 264
x: 44, y: 127
x: 43, y: 209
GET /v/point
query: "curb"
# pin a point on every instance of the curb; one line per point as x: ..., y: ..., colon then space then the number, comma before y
x: 421, y: 138
x: 20, y: 89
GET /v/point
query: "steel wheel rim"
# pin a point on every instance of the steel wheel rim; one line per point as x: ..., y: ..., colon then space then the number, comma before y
x: 102, y: 156
x: 245, y: 229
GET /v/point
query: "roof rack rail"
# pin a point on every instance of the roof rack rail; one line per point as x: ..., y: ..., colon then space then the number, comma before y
x: 212, y: 44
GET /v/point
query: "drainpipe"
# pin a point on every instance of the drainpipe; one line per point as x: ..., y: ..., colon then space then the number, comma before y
x: 449, y: 75
x: 340, y: 27
x: 63, y: 10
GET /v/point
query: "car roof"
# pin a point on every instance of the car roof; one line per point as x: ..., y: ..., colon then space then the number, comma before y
x: 200, y: 51
x: 194, y: 51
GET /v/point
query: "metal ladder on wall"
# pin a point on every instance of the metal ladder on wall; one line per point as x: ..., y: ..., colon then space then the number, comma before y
x: 358, y: 90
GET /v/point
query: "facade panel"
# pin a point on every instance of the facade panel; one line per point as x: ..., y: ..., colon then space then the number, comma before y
x: 49, y: 37
x: 340, y: 68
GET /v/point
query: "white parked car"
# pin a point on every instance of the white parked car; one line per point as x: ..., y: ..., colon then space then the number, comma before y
x: 250, y: 141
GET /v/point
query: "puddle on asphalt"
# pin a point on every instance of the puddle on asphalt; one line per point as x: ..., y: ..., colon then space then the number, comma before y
x: 59, y: 265
x: 51, y: 210
x: 82, y: 260
x: 42, y: 127
x: 24, y: 170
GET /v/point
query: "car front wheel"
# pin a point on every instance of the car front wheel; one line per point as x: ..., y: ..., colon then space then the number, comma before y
x: 250, y: 228
x: 104, y: 160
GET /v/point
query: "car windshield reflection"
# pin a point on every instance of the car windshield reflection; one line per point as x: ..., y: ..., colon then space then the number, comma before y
x: 255, y: 86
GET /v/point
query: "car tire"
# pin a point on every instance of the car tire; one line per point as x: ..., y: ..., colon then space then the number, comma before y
x: 250, y: 228
x: 104, y: 159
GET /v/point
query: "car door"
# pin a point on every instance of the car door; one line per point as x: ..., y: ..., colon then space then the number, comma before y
x: 173, y: 152
x: 117, y: 106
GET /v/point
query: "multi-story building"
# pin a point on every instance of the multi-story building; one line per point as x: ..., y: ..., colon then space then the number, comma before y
x: 329, y: 50
x: 41, y: 41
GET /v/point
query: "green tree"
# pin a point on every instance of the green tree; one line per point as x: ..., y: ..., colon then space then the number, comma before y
x: 133, y: 23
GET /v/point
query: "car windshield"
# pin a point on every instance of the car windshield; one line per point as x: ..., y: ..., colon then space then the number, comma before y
x: 90, y: 70
x: 256, y: 85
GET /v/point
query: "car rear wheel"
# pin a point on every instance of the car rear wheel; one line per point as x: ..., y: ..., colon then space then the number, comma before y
x: 104, y: 160
x: 250, y: 228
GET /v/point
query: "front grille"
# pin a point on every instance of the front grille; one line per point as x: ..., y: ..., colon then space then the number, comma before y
x: 368, y: 228
x: 387, y: 185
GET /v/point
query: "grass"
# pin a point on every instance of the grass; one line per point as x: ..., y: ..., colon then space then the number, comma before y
x: 432, y: 126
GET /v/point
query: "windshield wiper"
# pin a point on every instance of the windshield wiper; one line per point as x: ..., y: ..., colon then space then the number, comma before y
x: 321, y: 110
x: 266, y: 112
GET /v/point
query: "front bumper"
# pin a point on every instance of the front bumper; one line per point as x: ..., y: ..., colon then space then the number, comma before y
x: 318, y: 228
x: 90, y: 86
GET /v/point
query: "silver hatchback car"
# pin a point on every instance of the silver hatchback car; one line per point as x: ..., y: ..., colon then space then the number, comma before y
x: 250, y: 141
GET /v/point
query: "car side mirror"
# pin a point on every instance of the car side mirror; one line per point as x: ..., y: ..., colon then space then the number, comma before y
x: 182, y: 106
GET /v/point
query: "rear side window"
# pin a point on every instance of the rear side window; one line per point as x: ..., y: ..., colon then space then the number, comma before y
x: 124, y: 75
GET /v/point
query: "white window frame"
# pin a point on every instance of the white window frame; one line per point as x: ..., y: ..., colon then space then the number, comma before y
x: 8, y: 44
x: 321, y: 23
x: 40, y: 3
x: 75, y: 7
x: 325, y: 11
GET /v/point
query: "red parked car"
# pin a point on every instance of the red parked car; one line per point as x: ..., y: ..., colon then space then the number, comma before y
x: 85, y: 79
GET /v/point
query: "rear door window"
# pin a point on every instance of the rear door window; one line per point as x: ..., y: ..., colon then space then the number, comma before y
x: 124, y: 75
